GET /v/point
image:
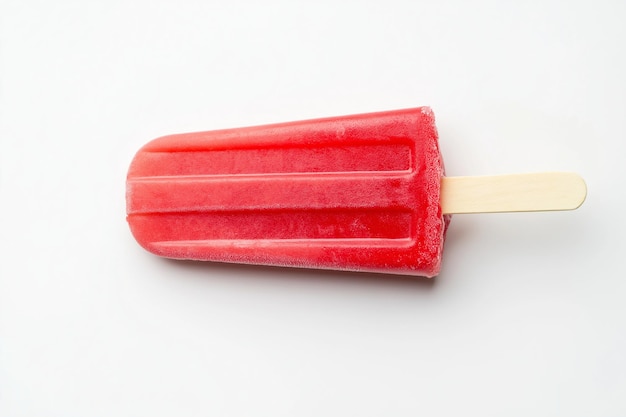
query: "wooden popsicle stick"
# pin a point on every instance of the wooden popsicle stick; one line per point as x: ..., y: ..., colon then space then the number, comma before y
x: 544, y: 191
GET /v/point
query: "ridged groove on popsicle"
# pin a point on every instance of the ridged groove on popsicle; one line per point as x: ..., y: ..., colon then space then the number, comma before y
x: 365, y: 157
x: 276, y: 192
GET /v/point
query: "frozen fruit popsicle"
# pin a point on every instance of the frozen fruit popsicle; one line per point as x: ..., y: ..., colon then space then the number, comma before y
x: 361, y: 193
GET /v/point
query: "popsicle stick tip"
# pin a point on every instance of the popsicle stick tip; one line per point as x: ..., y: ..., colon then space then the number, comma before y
x: 579, y: 187
x: 546, y: 191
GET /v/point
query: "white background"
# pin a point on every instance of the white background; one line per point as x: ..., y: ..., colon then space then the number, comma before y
x: 528, y: 316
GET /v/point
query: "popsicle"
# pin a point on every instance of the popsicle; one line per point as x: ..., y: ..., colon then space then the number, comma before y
x: 360, y: 193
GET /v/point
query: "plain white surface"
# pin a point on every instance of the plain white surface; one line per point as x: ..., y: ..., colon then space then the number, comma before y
x: 528, y: 316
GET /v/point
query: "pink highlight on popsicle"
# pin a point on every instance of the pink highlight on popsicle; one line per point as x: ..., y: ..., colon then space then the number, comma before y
x: 358, y: 193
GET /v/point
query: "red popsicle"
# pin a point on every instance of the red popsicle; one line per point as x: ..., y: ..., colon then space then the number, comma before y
x: 359, y: 193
